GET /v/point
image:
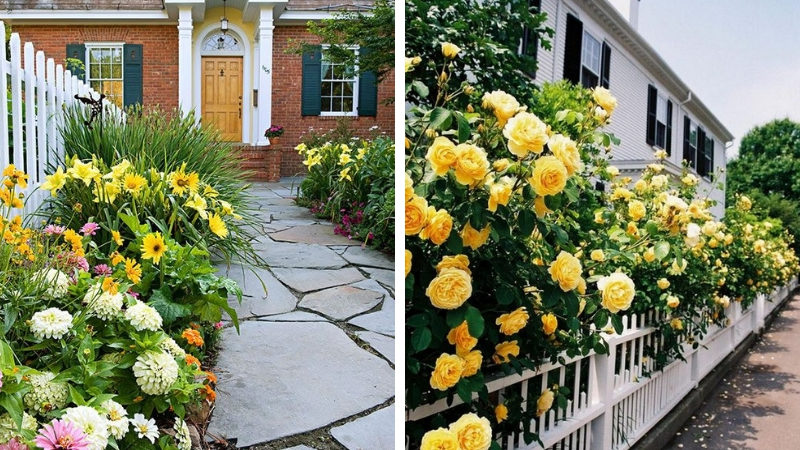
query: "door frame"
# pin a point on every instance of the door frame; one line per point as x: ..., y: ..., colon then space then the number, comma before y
x: 247, y: 73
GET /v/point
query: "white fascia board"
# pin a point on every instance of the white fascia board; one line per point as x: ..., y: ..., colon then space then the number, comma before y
x: 302, y: 17
x: 99, y: 15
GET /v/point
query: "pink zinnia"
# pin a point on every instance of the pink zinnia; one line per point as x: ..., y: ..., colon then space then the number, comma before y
x: 61, y: 435
x: 89, y: 229
x: 217, y: 325
x: 102, y: 269
x: 13, y: 444
x: 54, y: 230
x: 133, y: 294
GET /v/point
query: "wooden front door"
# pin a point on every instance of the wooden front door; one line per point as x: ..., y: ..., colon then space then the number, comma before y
x: 222, y: 95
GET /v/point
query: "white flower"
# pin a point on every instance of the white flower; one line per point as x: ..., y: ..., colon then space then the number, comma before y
x: 51, y: 323
x: 8, y: 428
x: 143, y: 317
x: 692, y: 234
x: 155, y: 372
x: 117, y: 418
x: 46, y: 395
x: 56, y: 280
x: 170, y: 346
x: 144, y: 428
x: 182, y: 437
x: 103, y: 304
x: 659, y: 181
x: 91, y: 422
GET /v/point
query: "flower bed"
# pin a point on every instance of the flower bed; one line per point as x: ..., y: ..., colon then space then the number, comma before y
x: 514, y: 258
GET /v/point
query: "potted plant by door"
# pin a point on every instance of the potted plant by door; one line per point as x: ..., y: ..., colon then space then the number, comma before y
x: 274, y: 133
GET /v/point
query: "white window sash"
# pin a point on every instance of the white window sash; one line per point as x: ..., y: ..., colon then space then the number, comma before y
x: 354, y: 81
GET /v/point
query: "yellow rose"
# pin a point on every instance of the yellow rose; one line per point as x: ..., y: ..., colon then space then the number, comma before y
x: 409, y: 188
x: 540, y: 207
x: 545, y: 402
x: 612, y: 171
x: 472, y: 362
x: 549, y: 323
x: 617, y: 292
x: 566, y: 270
x: 566, y: 150
x: 621, y: 193
x: 416, y: 215
x: 471, y: 164
x: 597, y: 255
x: 441, y: 155
x: 460, y: 337
x: 450, y: 289
x: 660, y: 154
x: 744, y: 203
x: 408, y: 262
x: 455, y: 262
x: 474, y: 433
x: 450, y: 50
x: 581, y: 288
x: 663, y: 283
x: 503, y: 350
x: 677, y: 269
x: 549, y: 176
x: 501, y: 164
x: 604, y: 98
x: 689, y: 180
x: 439, y: 226
x: 447, y: 372
x: 499, y: 193
x: 759, y: 246
x: 439, y: 439
x: 512, y: 322
x: 636, y: 210
x: 525, y: 133
x: 640, y: 186
x: 473, y: 238
x: 676, y: 324
x: 650, y: 254
x: 632, y: 229
x: 673, y: 301
x: 504, y: 106
x: 500, y: 412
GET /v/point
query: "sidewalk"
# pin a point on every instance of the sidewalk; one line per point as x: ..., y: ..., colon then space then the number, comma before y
x: 313, y: 366
x: 757, y: 405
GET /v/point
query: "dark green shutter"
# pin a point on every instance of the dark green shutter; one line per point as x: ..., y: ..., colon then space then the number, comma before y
x: 572, y: 49
x: 312, y: 82
x: 669, y: 128
x: 132, y: 74
x: 77, y: 51
x: 367, y: 90
x: 699, y: 160
x: 652, y: 101
x: 687, y: 146
x: 605, y: 68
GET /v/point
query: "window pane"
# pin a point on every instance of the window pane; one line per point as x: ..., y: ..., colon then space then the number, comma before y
x: 337, y: 89
x: 106, y: 58
x: 94, y: 55
x: 116, y: 71
x: 326, y: 104
x: 94, y: 71
x: 336, y: 104
x: 347, y: 104
x: 348, y: 89
x: 661, y: 109
x: 117, y: 55
x: 592, y: 50
x: 105, y: 71
x: 327, y: 89
x: 327, y: 71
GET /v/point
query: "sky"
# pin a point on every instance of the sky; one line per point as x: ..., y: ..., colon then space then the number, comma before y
x: 740, y: 57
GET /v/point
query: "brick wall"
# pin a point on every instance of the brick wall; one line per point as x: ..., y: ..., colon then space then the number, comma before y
x: 287, y: 79
x: 262, y: 161
x: 159, y: 47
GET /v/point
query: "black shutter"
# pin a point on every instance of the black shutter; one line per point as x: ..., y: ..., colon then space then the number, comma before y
x: 700, y: 158
x: 530, y: 39
x: 669, y: 128
x: 367, y: 91
x: 311, y: 99
x: 605, y: 68
x: 77, y: 51
x: 687, y: 146
x: 572, y: 51
x: 132, y: 74
x: 652, y: 101
x: 710, y: 161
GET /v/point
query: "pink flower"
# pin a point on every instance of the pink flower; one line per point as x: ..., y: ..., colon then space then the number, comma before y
x: 61, y: 435
x: 90, y: 229
x: 13, y: 444
x: 54, y: 230
x: 133, y: 294
x: 102, y: 269
x: 217, y: 325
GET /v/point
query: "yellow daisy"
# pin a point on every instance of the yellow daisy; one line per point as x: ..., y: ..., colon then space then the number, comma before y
x: 116, y: 237
x: 217, y: 225
x: 133, y: 270
x: 153, y: 247
x: 133, y: 183
x: 182, y: 181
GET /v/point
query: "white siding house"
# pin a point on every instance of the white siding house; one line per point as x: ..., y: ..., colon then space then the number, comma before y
x: 603, y: 47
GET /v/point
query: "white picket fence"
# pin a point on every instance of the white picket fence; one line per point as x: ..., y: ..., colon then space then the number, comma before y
x: 614, y: 402
x: 38, y: 93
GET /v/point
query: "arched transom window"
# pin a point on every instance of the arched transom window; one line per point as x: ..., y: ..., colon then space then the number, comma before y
x: 222, y: 42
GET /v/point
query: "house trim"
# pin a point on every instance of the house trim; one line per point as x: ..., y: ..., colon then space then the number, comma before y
x: 97, y: 15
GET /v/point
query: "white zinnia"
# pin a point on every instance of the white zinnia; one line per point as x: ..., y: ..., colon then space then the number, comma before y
x: 91, y: 422
x: 57, y: 282
x: 143, y: 317
x: 145, y: 428
x: 51, y: 323
x: 103, y: 304
x: 155, y: 372
x: 182, y: 437
x: 117, y: 418
x: 170, y: 346
x: 45, y: 394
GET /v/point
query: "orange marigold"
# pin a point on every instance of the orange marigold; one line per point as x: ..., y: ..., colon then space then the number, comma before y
x: 190, y: 359
x: 193, y: 337
x: 211, y: 377
x: 211, y: 396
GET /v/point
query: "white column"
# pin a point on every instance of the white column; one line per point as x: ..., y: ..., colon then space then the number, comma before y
x: 265, y: 29
x: 185, y: 58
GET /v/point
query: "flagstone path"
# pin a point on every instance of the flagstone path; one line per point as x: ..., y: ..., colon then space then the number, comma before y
x: 313, y: 364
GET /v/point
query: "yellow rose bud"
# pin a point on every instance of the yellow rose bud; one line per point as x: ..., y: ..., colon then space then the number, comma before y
x: 471, y: 165
x: 501, y: 164
x: 566, y: 270
x: 409, y: 191
x: 408, y: 262
x: 545, y: 402
x: 673, y: 301
x: 676, y: 324
x: 549, y: 324
x: 504, y: 350
x: 499, y: 194
x: 447, y: 372
x: 473, y: 432
x: 473, y: 238
x: 640, y: 186
x: 549, y: 176
x: 450, y: 50
x: 460, y: 337
x: 540, y: 207
x: 514, y: 321
x: 617, y: 292
x: 649, y: 254
x: 525, y: 134
x: 597, y: 255
x: 439, y: 226
x: 663, y: 283
x: 416, y: 215
x: 500, y: 412
x: 450, y: 289
x: 441, y: 155
x: 456, y: 262
x: 439, y: 439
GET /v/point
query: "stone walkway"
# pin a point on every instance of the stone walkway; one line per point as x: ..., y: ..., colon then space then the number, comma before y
x: 757, y: 405
x: 313, y: 366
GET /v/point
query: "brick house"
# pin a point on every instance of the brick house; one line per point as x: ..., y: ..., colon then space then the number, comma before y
x: 237, y: 73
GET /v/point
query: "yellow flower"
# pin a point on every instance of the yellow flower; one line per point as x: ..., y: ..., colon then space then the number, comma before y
x: 597, y: 255
x: 55, y: 182
x: 499, y: 193
x: 649, y: 254
x: 344, y: 174
x: 447, y: 372
x: 503, y: 350
x: 116, y: 258
x: 525, y: 133
x: 744, y: 203
x: 689, y: 180
x: 450, y: 50
x: 617, y: 292
x: 182, y: 181
x: 549, y: 323
x: 199, y: 204
x: 661, y: 154
x: 217, y: 225
x: 566, y: 270
x: 512, y: 322
x: 133, y: 270
x: 439, y: 226
x: 621, y: 193
x: 636, y: 210
x: 640, y: 186
x: 106, y: 191
x: 471, y: 164
x: 408, y: 262
x: 473, y: 432
x: 504, y: 106
x: 501, y: 164
x: 85, y: 172
x: 604, y: 98
x: 133, y: 183
x: 344, y: 158
x: 612, y: 171
x: 566, y: 150
x: 472, y: 362
x: 440, y: 438
x: 677, y: 269
x: 118, y: 170
x: 545, y: 402
x: 473, y: 238
x: 450, y: 289
x: 540, y: 207
x: 676, y: 324
x: 110, y: 286
x: 549, y: 176
x: 153, y: 247
x: 441, y: 155
x: 210, y: 192
x: 454, y: 262
x: 460, y: 337
x: 673, y: 301
x: 116, y: 237
x: 409, y: 188
x: 416, y: 215
x: 663, y: 283
x: 759, y: 246
x: 501, y: 412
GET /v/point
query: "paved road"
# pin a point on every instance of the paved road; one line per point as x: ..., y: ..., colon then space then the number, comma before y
x: 757, y: 405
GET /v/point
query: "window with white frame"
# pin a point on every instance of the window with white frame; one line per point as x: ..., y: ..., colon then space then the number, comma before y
x: 591, y: 60
x: 661, y: 122
x: 104, y: 70
x: 339, y: 88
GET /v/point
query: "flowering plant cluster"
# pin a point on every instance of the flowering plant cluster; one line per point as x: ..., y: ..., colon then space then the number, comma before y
x: 274, y: 131
x: 352, y: 183
x: 514, y: 257
x: 104, y: 331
